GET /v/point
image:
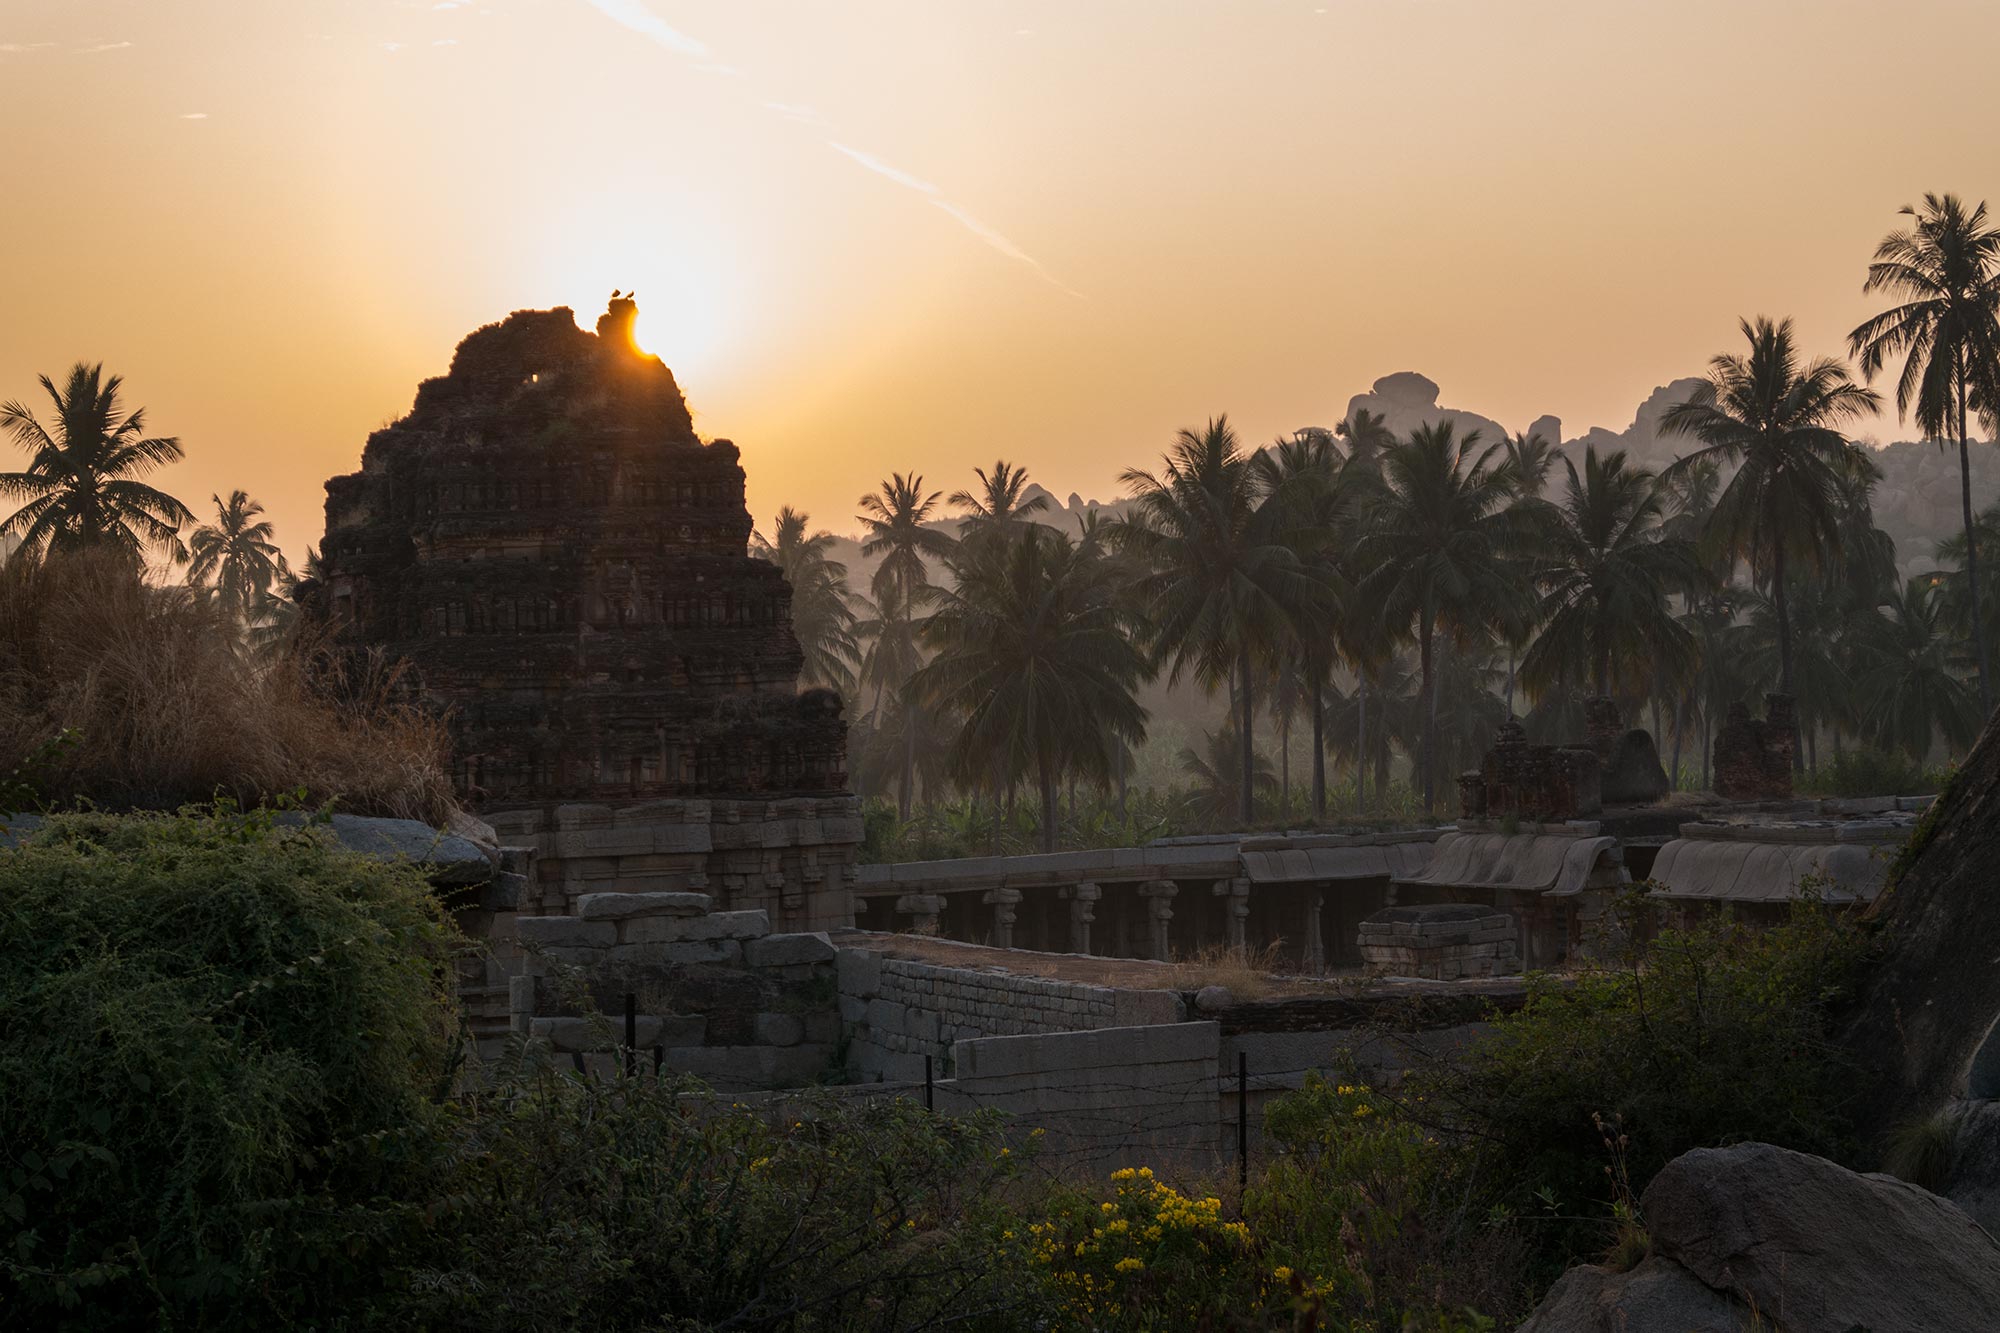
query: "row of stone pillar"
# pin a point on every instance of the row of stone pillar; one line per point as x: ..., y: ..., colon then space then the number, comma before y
x: 1159, y: 895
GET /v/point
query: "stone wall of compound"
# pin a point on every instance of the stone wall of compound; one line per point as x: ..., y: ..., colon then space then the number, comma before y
x: 896, y: 1012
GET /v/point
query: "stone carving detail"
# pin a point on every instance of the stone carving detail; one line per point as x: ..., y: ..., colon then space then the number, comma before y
x: 1753, y: 758
x: 1543, y: 782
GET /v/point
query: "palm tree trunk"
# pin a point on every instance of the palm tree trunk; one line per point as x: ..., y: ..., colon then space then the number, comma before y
x: 1121, y: 781
x: 1510, y: 682
x: 1972, y: 553
x: 1429, y: 747
x: 1680, y: 735
x: 1782, y: 606
x: 1285, y: 764
x: 1047, y: 777
x: 1319, y: 746
x: 909, y: 757
x: 1361, y: 743
x: 1246, y: 803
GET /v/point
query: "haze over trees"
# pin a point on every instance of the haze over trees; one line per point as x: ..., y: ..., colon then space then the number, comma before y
x: 1330, y: 625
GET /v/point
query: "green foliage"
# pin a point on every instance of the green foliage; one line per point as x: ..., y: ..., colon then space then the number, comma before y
x: 1872, y: 772
x: 1720, y: 1036
x: 1922, y: 1151
x: 637, y: 1204
x: 217, y: 1033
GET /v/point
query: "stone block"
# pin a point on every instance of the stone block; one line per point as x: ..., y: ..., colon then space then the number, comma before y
x: 778, y: 1029
x: 822, y: 1027
x: 789, y: 950
x: 714, y: 926
x: 564, y: 932
x: 887, y: 1017
x: 1145, y: 1008
x: 853, y: 1009
x: 676, y: 953
x: 624, y: 906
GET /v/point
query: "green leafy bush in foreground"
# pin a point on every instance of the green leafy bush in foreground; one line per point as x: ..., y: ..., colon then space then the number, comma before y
x: 212, y: 1033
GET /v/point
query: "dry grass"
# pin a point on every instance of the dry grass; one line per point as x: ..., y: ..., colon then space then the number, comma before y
x: 1247, y: 974
x: 164, y: 708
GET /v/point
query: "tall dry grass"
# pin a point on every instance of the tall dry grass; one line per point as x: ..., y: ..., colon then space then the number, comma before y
x: 163, y: 707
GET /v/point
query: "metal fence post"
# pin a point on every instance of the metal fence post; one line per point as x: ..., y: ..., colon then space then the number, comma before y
x: 1242, y: 1123
x: 930, y: 1097
x: 631, y: 1030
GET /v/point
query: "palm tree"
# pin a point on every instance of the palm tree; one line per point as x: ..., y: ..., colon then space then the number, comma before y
x: 81, y: 486
x: 237, y: 551
x: 1306, y: 478
x: 997, y: 504
x: 1367, y: 436
x: 1910, y: 680
x: 1605, y: 575
x: 1777, y: 423
x: 1222, y: 584
x: 822, y: 608
x: 1037, y: 657
x: 1530, y: 459
x: 1440, y: 549
x: 1217, y: 771
x: 1945, y: 268
x: 893, y: 521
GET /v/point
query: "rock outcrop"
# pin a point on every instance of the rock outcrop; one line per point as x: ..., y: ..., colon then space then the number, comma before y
x: 1929, y: 1002
x: 1792, y: 1240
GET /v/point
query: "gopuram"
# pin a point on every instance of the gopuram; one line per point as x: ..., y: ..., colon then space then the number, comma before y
x: 563, y: 563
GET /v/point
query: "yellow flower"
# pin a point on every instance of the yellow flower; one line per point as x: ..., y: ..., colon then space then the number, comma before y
x: 1282, y: 1273
x: 1145, y: 1173
x: 1116, y: 1226
x: 1107, y: 1208
x: 1129, y: 1265
x: 1152, y: 1233
x: 1122, y: 1173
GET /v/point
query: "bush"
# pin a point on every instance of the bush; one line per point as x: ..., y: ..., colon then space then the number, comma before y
x: 1871, y: 772
x: 1720, y: 1035
x: 161, y: 706
x: 215, y: 1034
x: 643, y: 1204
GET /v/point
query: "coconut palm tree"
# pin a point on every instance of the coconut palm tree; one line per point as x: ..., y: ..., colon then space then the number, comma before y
x: 1217, y: 770
x: 823, y: 616
x: 238, y: 552
x: 1945, y: 270
x: 1034, y: 653
x: 1910, y: 675
x: 1605, y: 572
x: 1441, y: 547
x: 1777, y: 422
x: 1530, y: 459
x: 1307, y: 478
x: 894, y: 520
x: 1222, y: 584
x: 1366, y: 435
x: 81, y: 486
x: 998, y: 504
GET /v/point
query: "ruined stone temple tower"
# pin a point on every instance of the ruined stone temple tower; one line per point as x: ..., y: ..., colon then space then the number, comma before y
x: 563, y: 562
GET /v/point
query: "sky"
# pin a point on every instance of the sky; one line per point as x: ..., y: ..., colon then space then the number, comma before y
x: 874, y: 236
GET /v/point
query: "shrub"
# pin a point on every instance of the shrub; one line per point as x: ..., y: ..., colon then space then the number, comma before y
x: 1720, y: 1036
x: 217, y: 1035
x: 639, y: 1203
x: 162, y: 707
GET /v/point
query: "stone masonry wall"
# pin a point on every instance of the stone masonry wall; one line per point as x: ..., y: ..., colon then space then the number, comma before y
x: 716, y: 993
x: 896, y: 1011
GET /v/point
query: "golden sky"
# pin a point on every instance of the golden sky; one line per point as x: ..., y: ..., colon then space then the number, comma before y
x: 872, y: 236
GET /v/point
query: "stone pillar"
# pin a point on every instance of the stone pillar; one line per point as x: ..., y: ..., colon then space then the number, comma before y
x: 1082, y: 911
x: 923, y: 909
x: 1314, y: 954
x: 1003, y: 903
x: 1236, y: 911
x: 1159, y: 896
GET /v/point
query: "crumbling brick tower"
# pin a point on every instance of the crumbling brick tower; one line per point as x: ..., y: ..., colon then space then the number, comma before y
x: 546, y: 540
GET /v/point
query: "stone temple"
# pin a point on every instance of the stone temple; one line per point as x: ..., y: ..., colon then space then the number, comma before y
x: 545, y: 539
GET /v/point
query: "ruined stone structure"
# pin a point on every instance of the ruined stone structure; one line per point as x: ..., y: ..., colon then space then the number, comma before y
x: 563, y: 561
x: 1753, y: 758
x: 1444, y: 941
x: 1544, y: 782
